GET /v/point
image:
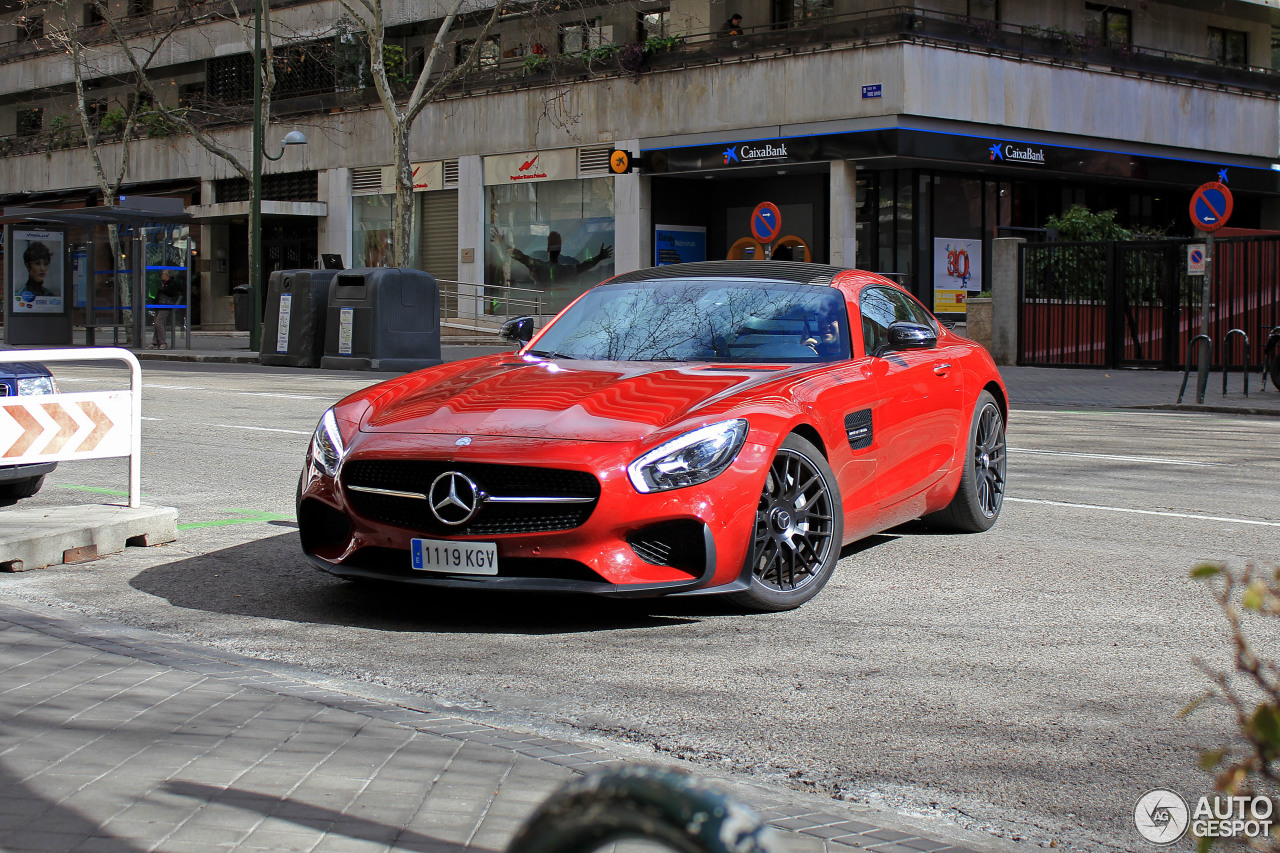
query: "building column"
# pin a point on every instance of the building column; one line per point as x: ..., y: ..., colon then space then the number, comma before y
x: 334, y: 230
x: 472, y: 239
x: 632, y: 231
x: 1004, y: 299
x: 844, y: 213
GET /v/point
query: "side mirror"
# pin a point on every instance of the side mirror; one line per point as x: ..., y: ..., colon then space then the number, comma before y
x: 911, y: 336
x: 518, y: 330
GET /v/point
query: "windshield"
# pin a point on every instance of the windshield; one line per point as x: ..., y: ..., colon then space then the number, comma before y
x: 702, y: 320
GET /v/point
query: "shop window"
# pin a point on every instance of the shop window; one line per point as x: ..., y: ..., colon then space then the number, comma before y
x: 552, y: 236
x: 1229, y: 47
x: 371, y: 220
x: 1108, y: 24
x: 653, y: 25
x: 30, y: 121
x: 30, y: 27
x: 490, y: 52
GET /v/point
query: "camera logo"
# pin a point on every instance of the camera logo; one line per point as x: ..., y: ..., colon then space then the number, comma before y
x: 1161, y: 816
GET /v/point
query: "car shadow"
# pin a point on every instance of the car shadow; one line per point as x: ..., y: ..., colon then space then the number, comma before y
x: 269, y: 578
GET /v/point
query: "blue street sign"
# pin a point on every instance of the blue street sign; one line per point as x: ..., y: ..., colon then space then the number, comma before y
x: 871, y: 91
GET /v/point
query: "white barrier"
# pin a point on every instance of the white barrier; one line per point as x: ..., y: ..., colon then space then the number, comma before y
x: 69, y: 427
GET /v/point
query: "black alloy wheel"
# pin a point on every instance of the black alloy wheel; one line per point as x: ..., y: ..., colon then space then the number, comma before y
x: 977, y: 502
x: 798, y: 530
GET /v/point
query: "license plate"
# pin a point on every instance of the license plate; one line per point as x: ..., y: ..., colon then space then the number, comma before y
x: 461, y: 558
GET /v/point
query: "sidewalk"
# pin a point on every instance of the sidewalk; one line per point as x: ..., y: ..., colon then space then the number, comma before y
x: 1040, y: 386
x: 122, y: 740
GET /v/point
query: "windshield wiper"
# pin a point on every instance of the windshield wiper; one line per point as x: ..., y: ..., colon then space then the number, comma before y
x: 551, y: 354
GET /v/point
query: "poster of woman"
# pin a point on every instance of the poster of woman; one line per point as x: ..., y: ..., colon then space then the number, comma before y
x: 37, y: 271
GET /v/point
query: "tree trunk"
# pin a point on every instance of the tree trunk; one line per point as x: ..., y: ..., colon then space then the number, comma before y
x: 402, y: 222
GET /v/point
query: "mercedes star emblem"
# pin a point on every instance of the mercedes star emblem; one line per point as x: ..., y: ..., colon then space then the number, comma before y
x: 455, y: 498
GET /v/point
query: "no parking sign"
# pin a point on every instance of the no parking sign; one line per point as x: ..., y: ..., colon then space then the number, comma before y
x: 1195, y: 258
x: 1211, y: 205
x: 766, y: 222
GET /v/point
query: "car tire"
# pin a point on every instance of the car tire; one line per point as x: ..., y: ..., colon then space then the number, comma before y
x: 978, y: 500
x: 798, y: 531
x: 19, y: 489
x: 1273, y: 366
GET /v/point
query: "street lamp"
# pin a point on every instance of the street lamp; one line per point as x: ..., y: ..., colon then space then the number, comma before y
x: 295, y: 137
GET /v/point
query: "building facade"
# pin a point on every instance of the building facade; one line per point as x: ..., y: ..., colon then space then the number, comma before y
x: 901, y: 139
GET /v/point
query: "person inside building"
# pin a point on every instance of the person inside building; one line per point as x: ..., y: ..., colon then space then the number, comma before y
x: 731, y: 27
x: 37, y: 258
x: 555, y: 267
x: 168, y: 292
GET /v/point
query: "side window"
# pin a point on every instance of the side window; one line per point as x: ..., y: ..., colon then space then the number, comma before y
x: 913, y: 312
x: 878, y: 310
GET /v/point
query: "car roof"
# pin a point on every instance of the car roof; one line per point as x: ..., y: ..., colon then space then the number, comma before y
x: 793, y: 272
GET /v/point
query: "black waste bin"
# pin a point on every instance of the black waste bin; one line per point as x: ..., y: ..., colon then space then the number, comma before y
x: 294, y: 317
x: 242, y: 295
x: 382, y: 319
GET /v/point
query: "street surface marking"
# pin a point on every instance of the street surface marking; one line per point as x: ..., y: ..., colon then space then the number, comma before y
x: 283, y: 396
x: 95, y: 490
x: 1147, y: 512
x: 1155, y: 460
x: 262, y: 429
x: 250, y: 516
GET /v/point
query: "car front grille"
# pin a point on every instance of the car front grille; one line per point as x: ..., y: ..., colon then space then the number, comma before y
x: 520, y: 486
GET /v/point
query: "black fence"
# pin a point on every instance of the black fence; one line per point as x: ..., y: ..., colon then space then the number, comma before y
x: 1134, y: 305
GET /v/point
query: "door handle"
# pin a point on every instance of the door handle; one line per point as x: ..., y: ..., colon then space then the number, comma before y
x: 941, y: 369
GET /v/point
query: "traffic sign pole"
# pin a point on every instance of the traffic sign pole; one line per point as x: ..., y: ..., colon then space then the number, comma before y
x: 1211, y: 206
x: 1206, y: 294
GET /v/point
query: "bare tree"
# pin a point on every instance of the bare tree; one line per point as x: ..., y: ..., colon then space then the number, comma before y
x: 87, y: 64
x: 434, y: 81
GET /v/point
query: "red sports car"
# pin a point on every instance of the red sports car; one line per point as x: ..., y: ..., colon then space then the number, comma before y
x: 720, y: 427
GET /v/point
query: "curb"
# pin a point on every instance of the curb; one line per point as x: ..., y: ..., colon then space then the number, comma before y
x: 1226, y: 410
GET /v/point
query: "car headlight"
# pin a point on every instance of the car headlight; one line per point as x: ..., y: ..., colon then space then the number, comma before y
x: 689, y: 459
x: 326, y: 445
x: 37, y: 385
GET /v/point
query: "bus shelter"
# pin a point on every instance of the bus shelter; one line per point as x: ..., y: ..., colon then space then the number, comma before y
x: 62, y: 273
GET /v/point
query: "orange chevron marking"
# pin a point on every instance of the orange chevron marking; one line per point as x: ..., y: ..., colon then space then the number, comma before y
x: 101, y: 425
x: 31, y: 430
x: 67, y: 427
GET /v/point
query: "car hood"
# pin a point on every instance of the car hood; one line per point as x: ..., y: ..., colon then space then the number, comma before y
x: 555, y: 399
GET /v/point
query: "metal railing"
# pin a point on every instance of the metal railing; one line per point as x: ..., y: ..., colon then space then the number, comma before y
x: 1226, y: 359
x: 69, y: 427
x: 1201, y: 387
x: 485, y: 307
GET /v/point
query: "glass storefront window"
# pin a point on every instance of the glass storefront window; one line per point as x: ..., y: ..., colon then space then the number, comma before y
x: 371, y: 217
x: 553, y: 236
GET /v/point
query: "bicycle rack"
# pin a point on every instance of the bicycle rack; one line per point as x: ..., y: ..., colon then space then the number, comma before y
x: 1273, y: 341
x: 1226, y: 359
x: 1200, y: 388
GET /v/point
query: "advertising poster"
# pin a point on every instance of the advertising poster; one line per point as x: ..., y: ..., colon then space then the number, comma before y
x: 949, y: 301
x: 957, y: 264
x: 679, y: 244
x: 37, y: 272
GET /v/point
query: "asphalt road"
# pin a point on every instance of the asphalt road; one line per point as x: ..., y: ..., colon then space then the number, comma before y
x: 1025, y: 681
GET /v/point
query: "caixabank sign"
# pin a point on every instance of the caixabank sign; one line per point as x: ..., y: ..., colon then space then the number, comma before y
x: 897, y: 147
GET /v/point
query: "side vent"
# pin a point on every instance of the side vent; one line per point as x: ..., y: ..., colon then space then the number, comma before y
x: 857, y: 427
x: 594, y: 162
x: 450, y: 173
x: 366, y: 181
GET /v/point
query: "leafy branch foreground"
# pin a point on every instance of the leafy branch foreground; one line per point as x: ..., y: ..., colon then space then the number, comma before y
x: 1246, y: 767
